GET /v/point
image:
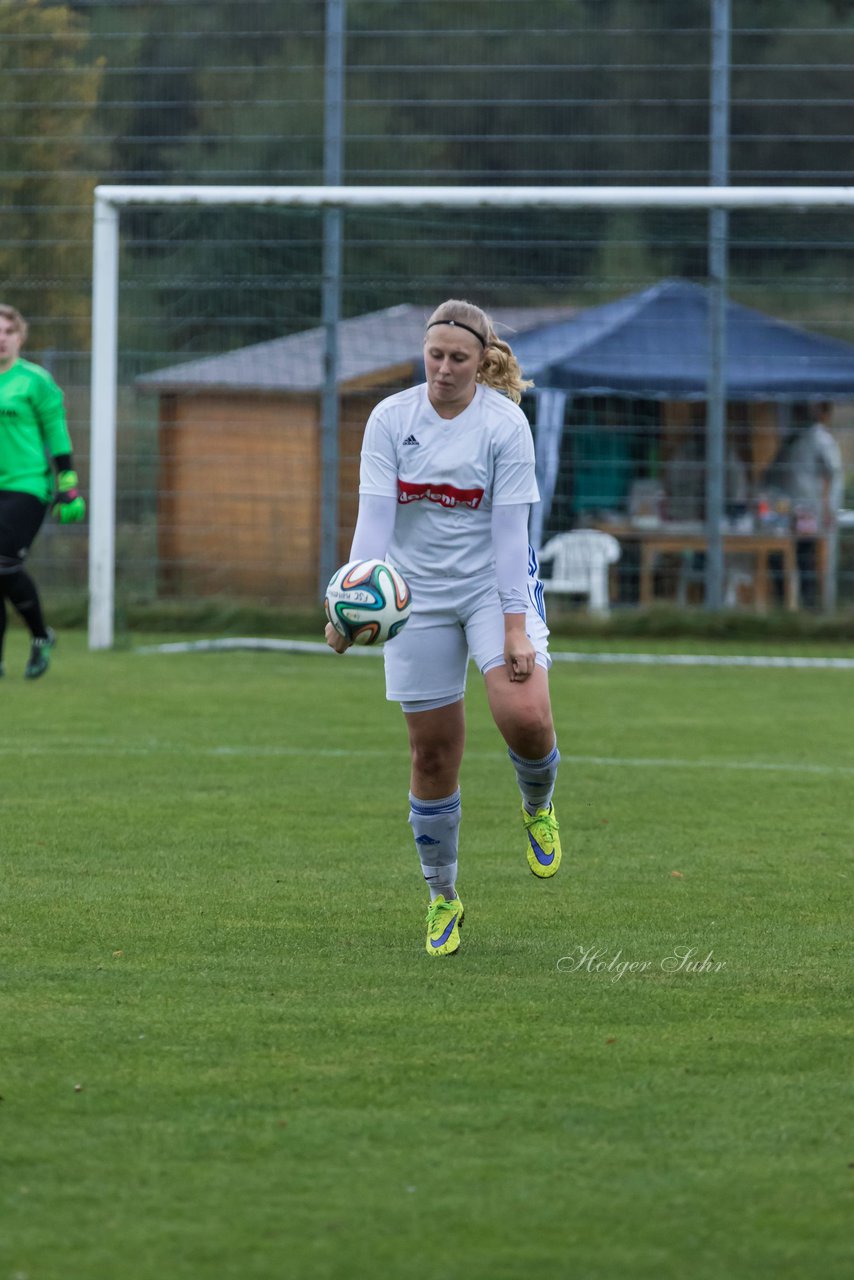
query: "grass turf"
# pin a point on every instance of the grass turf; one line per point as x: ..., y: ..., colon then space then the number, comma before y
x: 225, y: 1053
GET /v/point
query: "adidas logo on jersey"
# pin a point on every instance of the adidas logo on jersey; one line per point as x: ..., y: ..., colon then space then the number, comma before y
x: 411, y: 440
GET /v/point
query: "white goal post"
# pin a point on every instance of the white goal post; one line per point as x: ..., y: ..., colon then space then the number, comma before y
x: 109, y: 200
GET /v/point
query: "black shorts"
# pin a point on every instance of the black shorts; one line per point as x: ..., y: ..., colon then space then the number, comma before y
x: 21, y: 516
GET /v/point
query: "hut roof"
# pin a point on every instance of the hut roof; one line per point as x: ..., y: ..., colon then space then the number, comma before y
x: 368, y: 345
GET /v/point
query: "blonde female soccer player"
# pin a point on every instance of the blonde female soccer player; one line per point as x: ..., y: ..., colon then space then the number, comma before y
x: 446, y: 485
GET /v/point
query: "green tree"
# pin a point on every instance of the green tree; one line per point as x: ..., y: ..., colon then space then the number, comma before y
x: 223, y: 94
x: 49, y: 84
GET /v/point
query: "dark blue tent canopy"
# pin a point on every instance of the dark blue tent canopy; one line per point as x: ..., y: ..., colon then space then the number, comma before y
x: 655, y: 345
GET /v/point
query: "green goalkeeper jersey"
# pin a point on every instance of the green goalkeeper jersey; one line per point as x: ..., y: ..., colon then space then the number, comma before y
x: 32, y: 429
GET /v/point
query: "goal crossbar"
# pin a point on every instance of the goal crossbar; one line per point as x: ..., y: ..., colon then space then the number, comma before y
x: 365, y: 197
x: 110, y: 199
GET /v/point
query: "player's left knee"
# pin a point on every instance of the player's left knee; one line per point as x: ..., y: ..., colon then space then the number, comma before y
x: 532, y: 723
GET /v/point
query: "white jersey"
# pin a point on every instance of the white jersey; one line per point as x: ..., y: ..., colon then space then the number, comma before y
x: 813, y: 460
x: 447, y: 474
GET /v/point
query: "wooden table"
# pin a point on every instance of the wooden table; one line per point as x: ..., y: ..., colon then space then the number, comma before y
x: 664, y: 539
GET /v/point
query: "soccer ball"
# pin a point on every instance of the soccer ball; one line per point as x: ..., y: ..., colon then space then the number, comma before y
x: 367, y: 601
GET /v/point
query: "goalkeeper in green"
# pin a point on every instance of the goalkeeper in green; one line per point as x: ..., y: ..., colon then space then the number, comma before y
x: 36, y: 475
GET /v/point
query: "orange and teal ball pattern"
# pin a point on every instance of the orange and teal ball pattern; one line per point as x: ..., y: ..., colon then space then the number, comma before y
x: 368, y: 601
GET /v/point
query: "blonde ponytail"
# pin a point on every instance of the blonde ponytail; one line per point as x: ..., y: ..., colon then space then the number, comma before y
x: 499, y: 367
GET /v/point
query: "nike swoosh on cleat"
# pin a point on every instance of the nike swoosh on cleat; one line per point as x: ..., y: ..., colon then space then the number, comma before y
x: 445, y: 936
x: 544, y: 859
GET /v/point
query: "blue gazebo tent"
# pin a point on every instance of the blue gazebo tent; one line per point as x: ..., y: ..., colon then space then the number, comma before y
x: 654, y: 345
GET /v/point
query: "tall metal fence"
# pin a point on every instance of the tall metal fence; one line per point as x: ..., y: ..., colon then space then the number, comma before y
x: 218, y: 464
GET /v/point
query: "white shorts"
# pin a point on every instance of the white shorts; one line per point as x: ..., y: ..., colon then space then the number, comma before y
x: 428, y: 659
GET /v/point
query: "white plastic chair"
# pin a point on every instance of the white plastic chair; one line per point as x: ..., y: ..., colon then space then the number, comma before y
x: 580, y: 565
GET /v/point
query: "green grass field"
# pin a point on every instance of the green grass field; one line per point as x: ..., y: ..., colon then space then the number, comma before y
x: 226, y: 1055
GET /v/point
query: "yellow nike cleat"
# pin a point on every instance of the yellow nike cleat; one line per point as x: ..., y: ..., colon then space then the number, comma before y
x: 544, y: 850
x: 443, y: 926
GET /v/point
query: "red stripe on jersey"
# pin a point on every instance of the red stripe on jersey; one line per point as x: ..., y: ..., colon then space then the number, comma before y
x: 445, y: 494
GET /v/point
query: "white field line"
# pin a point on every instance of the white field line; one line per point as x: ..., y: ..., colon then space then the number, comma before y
x: 249, y: 644
x: 708, y: 660
x: 253, y: 644
x: 224, y: 751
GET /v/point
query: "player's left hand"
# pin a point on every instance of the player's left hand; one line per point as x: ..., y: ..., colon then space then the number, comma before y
x: 520, y: 657
x: 69, y: 505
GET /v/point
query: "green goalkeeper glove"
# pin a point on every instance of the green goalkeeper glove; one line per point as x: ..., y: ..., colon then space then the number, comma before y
x: 69, y: 505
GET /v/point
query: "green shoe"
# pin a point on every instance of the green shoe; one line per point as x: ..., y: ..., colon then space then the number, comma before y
x: 544, y: 850
x: 443, y: 926
x: 40, y: 651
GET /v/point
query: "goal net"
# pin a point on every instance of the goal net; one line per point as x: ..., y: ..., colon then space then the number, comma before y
x: 241, y: 337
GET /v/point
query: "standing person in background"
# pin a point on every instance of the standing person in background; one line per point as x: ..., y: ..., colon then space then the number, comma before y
x: 447, y: 481
x: 36, y: 473
x: 808, y: 468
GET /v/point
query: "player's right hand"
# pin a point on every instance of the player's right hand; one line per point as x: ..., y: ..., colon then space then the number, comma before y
x: 335, y: 640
